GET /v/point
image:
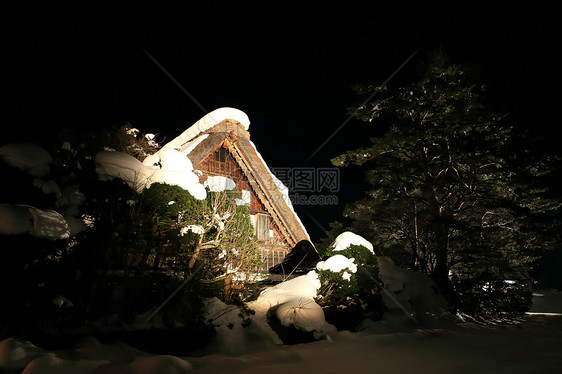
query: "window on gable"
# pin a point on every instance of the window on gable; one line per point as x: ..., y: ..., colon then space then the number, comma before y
x: 220, y: 155
x: 262, y: 227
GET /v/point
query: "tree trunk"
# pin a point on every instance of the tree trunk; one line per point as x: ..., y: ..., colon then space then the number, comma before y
x: 227, y: 288
x: 195, y: 254
x: 440, y: 273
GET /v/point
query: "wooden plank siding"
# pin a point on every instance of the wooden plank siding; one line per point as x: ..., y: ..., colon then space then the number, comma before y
x: 272, y: 244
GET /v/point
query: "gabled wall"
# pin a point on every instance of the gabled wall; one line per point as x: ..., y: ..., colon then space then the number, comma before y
x: 220, y: 162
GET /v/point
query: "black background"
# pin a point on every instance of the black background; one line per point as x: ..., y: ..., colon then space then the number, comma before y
x: 290, y: 67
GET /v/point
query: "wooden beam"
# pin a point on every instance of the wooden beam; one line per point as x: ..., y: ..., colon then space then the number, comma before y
x: 265, y: 197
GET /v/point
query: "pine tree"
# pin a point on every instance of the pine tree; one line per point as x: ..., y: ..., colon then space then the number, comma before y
x: 448, y: 197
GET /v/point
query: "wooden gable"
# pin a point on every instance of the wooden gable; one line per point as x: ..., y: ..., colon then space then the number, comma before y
x: 221, y: 162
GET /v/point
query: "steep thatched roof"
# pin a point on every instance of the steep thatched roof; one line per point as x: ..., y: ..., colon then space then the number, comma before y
x: 208, y: 134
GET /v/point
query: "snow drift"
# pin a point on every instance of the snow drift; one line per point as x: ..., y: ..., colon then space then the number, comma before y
x: 414, y: 291
x: 31, y: 158
x: 88, y: 356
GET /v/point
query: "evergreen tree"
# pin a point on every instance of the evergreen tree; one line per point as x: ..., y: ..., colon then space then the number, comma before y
x: 448, y: 197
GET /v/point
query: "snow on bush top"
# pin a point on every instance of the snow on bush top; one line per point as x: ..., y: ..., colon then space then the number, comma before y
x: 176, y: 170
x: 346, y: 239
x: 304, y: 286
x: 170, y: 159
x: 28, y: 157
x: 337, y: 263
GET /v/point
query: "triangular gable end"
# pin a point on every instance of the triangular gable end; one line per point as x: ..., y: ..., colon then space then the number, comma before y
x: 226, y: 159
x: 207, y: 136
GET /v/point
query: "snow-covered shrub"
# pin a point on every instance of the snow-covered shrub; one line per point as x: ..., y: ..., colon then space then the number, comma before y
x: 131, y: 141
x: 40, y: 225
x: 119, y: 251
x: 153, y: 240
x: 349, y: 290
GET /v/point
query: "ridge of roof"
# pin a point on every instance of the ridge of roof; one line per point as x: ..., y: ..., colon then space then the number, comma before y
x: 207, y: 122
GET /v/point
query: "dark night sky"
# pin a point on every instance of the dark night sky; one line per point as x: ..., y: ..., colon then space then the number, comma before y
x: 289, y: 68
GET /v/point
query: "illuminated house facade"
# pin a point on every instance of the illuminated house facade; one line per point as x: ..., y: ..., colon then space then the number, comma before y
x: 219, y: 145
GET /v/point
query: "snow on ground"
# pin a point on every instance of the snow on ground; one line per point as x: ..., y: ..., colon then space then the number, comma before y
x: 88, y: 356
x: 15, y: 354
x: 47, y: 187
x: 16, y: 219
x: 303, y: 314
x: 528, y: 348
x: 532, y: 346
x: 294, y: 305
x: 28, y: 157
x: 546, y: 302
x: 304, y: 286
x: 411, y: 290
x: 234, y: 335
x: 529, y: 345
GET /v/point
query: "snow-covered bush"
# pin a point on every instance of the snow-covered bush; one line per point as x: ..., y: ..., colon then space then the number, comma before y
x: 157, y: 238
x: 349, y: 290
x: 114, y: 251
x: 40, y: 225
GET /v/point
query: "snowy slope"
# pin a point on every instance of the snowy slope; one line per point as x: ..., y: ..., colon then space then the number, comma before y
x: 532, y: 346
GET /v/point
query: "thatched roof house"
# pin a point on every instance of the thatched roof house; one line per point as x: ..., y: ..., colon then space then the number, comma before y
x: 219, y: 145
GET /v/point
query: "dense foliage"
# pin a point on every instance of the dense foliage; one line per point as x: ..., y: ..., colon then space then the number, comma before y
x: 454, y: 191
x: 135, y: 251
x: 347, y: 296
x: 323, y: 244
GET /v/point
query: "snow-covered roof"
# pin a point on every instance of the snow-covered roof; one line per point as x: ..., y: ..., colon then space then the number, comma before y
x: 204, y: 136
x: 208, y: 121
